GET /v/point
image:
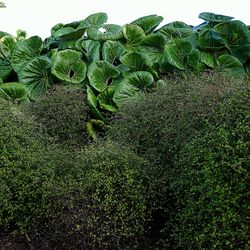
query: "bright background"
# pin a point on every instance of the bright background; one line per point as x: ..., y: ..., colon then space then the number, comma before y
x: 37, y: 17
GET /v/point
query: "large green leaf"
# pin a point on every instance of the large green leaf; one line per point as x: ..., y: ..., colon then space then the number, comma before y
x: 148, y: 23
x: 136, y: 61
x: 5, y: 68
x: 124, y: 92
x: 24, y: 51
x: 177, y: 51
x: 96, y: 19
x: 7, y: 45
x: 132, y: 86
x: 90, y: 49
x: 154, y: 42
x: 106, y: 99
x: 93, y: 104
x: 65, y: 32
x: 178, y: 24
x: 101, y: 74
x: 236, y: 37
x: 193, y: 59
x: 56, y: 27
x: 14, y: 91
x: 105, y: 32
x: 208, y: 59
x: 214, y: 18
x: 69, y: 33
x: 232, y: 64
x: 233, y: 33
x: 210, y: 39
x: 66, y: 36
x: 187, y: 33
x: 153, y: 46
x: 140, y: 79
x: 2, y: 33
x: 36, y: 76
x: 68, y: 66
x: 133, y: 34
x: 112, y: 51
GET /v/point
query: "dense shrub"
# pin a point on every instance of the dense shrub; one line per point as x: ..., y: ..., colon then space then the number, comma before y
x: 64, y: 114
x: 29, y: 170
x: 111, y: 203
x: 158, y: 124
x: 210, y: 181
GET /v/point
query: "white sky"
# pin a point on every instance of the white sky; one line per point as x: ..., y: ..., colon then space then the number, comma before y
x: 37, y: 17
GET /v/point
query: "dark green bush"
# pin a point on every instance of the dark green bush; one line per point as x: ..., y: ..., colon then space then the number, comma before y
x: 210, y: 180
x: 111, y: 200
x: 20, y: 144
x: 64, y: 114
x: 158, y: 124
x: 29, y: 173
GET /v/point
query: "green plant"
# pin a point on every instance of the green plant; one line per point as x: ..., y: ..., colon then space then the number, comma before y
x: 23, y: 172
x: 64, y: 115
x: 210, y: 180
x: 14, y: 91
x: 102, y: 56
x: 33, y: 172
x: 109, y: 203
x: 158, y: 125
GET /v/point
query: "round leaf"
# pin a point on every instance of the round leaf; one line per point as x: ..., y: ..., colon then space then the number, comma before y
x: 232, y: 64
x: 90, y: 49
x: 148, y: 23
x: 236, y: 37
x: 176, y: 52
x: 133, y: 34
x: 101, y: 74
x: 215, y: 18
x: 112, y: 51
x: 106, y: 99
x: 13, y: 91
x: 68, y: 66
x: 7, y: 45
x: 153, y: 46
x: 136, y: 61
x: 211, y: 40
x: 24, y: 51
x: 208, y: 59
x: 96, y: 19
x: 36, y: 76
x: 105, y: 32
x: 124, y: 92
x: 5, y: 68
x: 140, y: 79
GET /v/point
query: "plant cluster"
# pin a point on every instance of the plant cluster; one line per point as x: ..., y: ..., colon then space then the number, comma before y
x: 210, y: 181
x: 171, y: 168
x: 63, y: 113
x: 116, y: 63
